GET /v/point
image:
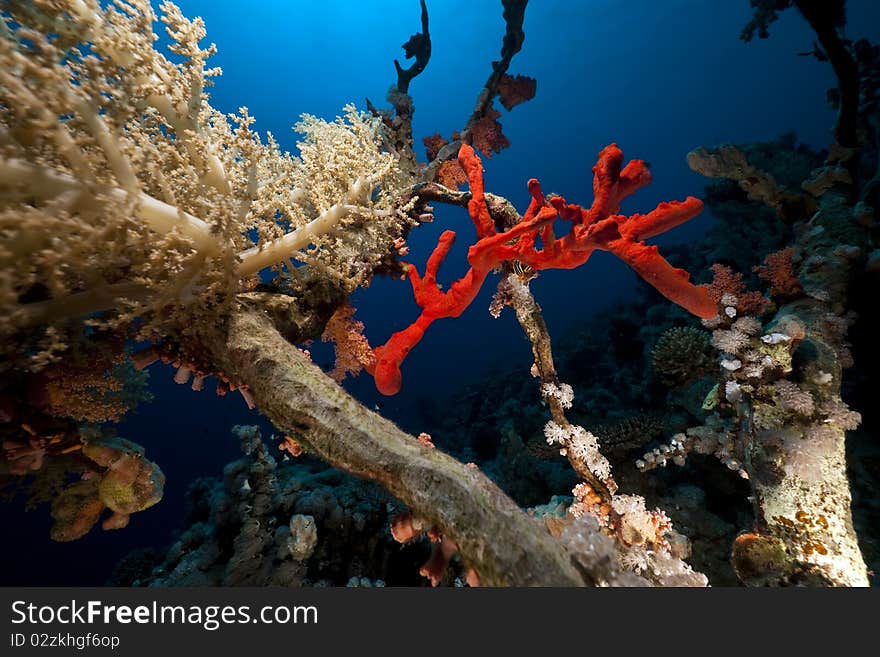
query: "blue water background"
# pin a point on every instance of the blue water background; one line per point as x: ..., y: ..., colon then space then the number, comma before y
x: 657, y: 78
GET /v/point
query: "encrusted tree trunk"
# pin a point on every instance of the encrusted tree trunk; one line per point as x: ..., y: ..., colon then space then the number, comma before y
x: 792, y: 420
x: 494, y: 536
x: 804, y: 529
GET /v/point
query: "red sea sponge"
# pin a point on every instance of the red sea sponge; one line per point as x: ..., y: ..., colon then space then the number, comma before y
x: 597, y: 227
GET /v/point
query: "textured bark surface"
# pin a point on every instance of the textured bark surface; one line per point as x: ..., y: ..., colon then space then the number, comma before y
x: 804, y: 531
x: 805, y: 524
x: 494, y: 536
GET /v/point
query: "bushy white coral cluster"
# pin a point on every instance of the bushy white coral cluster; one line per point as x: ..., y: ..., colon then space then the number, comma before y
x: 555, y: 434
x: 713, y: 437
x: 635, y: 553
x: 345, y: 208
x: 563, y: 393
x: 581, y: 445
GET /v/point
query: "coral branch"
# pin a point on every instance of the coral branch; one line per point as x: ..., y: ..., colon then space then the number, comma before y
x: 598, y: 227
x: 19, y: 178
x: 495, y: 538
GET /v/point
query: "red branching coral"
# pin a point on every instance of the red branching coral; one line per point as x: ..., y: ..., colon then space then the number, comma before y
x: 486, y: 135
x: 451, y: 175
x: 725, y: 281
x: 515, y: 90
x: 433, y: 144
x: 778, y: 270
x: 353, y: 352
x: 597, y: 227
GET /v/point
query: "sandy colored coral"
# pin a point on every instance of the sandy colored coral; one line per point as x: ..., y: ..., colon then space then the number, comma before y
x: 353, y: 352
x: 145, y: 198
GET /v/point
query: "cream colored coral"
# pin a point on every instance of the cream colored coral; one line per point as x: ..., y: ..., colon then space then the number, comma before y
x: 123, y: 189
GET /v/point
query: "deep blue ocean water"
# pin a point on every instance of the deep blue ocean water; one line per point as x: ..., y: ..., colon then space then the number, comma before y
x: 659, y: 78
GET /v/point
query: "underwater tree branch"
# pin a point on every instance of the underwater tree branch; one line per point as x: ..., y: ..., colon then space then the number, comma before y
x: 419, y: 47
x: 514, y: 36
x: 825, y: 17
x: 531, y: 320
x: 495, y: 538
x: 792, y: 421
x: 820, y: 14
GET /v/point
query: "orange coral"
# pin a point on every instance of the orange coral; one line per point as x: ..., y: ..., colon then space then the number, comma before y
x: 353, y: 352
x: 451, y: 175
x: 725, y: 281
x: 405, y: 527
x: 89, y: 391
x: 291, y: 446
x: 433, y: 144
x: 442, y: 552
x: 588, y: 501
x: 486, y: 135
x: 778, y: 270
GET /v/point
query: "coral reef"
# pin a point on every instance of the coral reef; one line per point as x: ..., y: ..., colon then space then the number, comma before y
x: 132, y: 210
x: 282, y: 524
x: 782, y: 381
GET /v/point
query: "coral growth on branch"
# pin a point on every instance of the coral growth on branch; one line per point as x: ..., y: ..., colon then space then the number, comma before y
x: 597, y: 227
x: 132, y: 209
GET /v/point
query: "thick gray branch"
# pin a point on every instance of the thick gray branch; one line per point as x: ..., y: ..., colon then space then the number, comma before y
x: 495, y: 538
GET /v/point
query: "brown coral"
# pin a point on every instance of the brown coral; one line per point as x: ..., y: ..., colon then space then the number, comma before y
x: 725, y: 281
x: 486, y: 135
x: 515, y: 90
x: 433, y: 144
x: 778, y: 270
